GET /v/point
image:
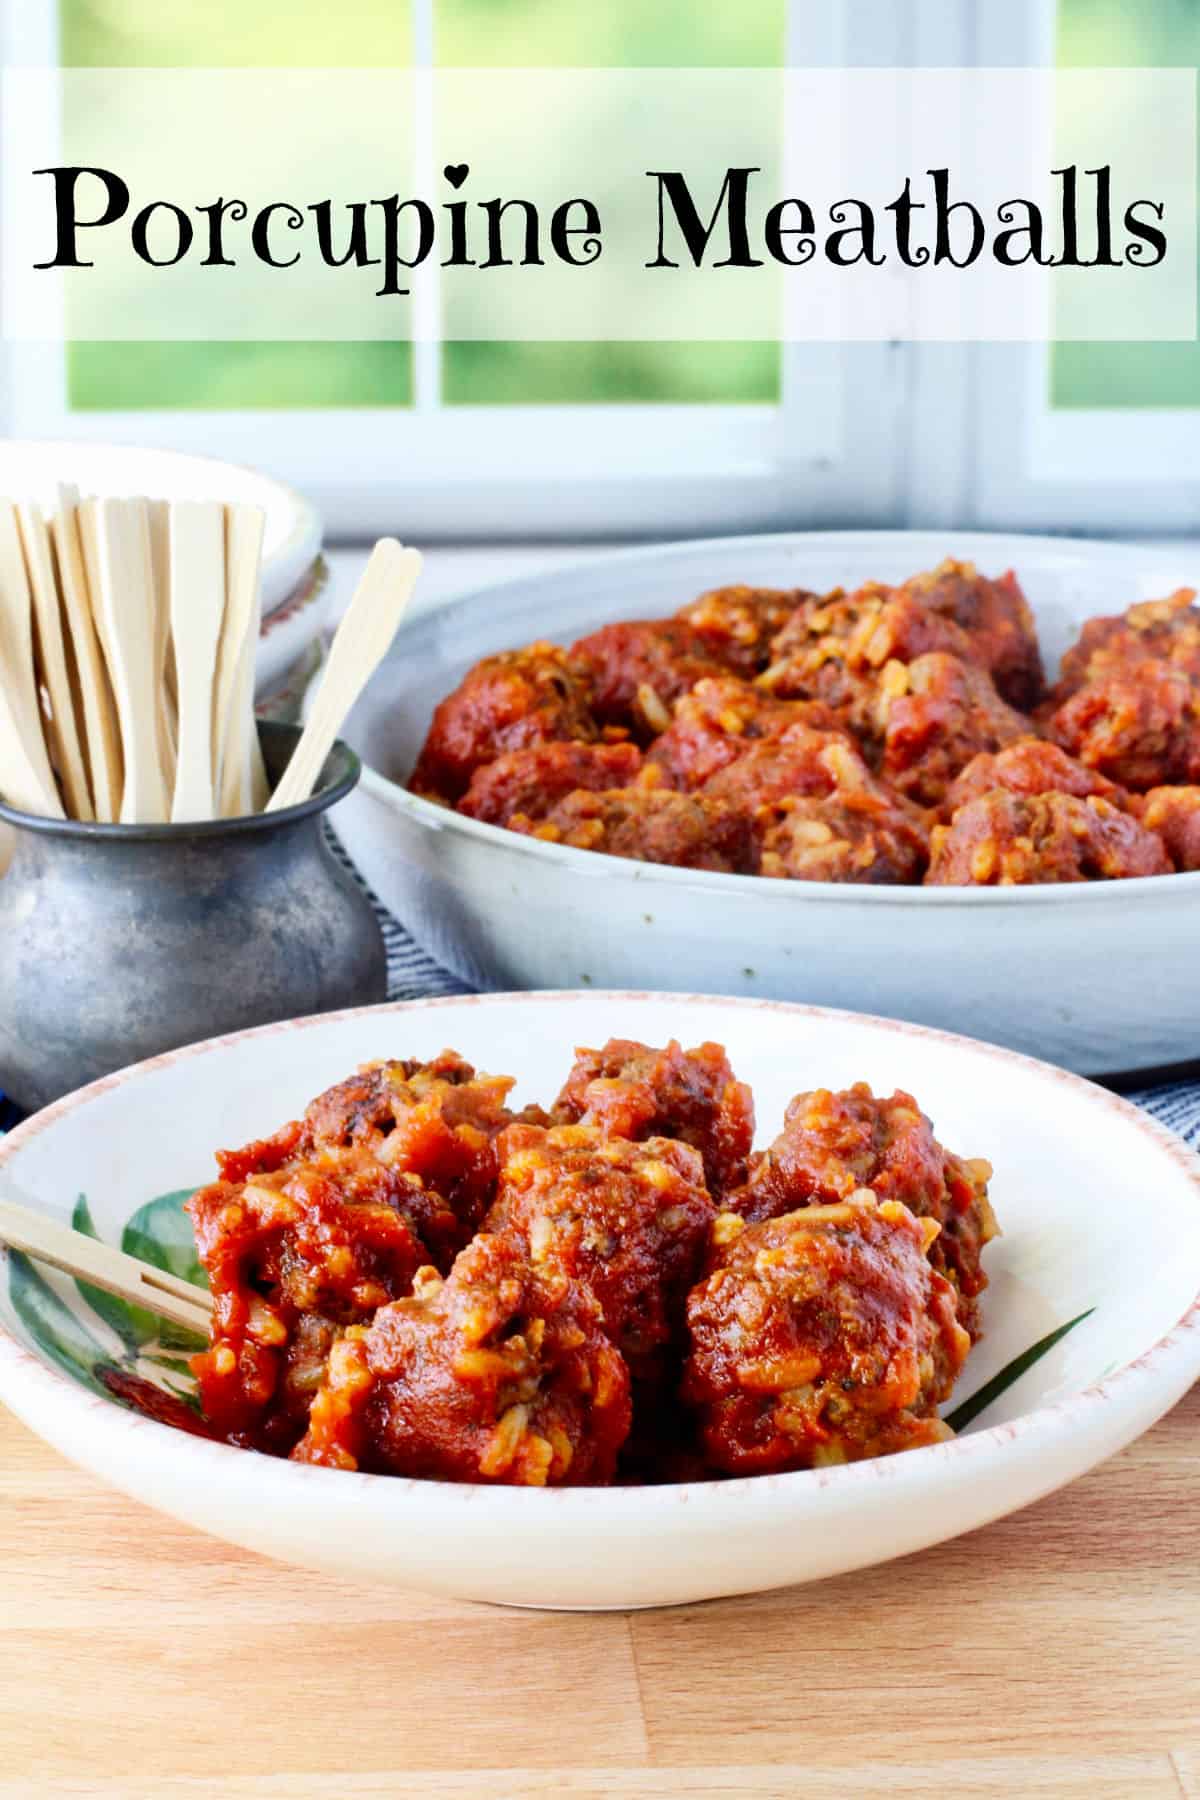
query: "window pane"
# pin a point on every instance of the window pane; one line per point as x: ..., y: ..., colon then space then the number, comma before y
x: 1113, y: 34
x: 623, y: 34
x: 132, y: 377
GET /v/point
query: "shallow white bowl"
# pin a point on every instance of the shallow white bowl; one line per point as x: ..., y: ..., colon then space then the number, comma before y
x: 1100, y: 976
x: 1100, y: 1209
x: 31, y: 467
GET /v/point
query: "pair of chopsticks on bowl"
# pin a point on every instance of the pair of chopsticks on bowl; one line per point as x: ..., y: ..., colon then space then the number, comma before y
x: 111, y: 1270
x: 128, y: 633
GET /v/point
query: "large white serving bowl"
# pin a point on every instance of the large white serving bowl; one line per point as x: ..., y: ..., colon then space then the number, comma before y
x: 1100, y: 1209
x: 291, y: 595
x: 1101, y: 976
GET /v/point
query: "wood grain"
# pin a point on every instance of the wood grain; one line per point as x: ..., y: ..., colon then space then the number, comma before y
x: 1054, y: 1654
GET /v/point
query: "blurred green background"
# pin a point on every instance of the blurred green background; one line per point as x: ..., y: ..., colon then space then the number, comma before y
x: 1153, y: 34
x: 376, y: 34
x: 566, y: 33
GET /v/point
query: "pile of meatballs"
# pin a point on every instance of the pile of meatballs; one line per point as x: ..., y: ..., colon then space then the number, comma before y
x: 891, y: 735
x: 414, y: 1280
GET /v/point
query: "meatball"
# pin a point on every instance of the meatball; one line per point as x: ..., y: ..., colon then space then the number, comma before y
x: 1152, y: 631
x: 820, y: 814
x: 690, y: 831
x: 630, y: 1221
x: 834, y: 1143
x: 637, y: 669
x: 437, y: 1121
x: 1139, y: 724
x: 629, y: 1090
x: 996, y: 618
x: 738, y: 623
x: 833, y: 649
x: 500, y: 1373
x: 532, y: 780
x: 935, y: 715
x: 824, y: 1336
x: 506, y: 702
x: 291, y: 1255
x: 1017, y: 840
x: 1030, y: 766
x: 719, y: 721
x: 1174, y: 813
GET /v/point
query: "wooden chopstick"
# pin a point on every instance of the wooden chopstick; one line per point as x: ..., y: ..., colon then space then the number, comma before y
x: 240, y: 779
x: 361, y: 642
x: 101, y: 730
x: 61, y: 728
x: 196, y: 583
x: 106, y: 1268
x: 26, y: 778
x: 126, y: 608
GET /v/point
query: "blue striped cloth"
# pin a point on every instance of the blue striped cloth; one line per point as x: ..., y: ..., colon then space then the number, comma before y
x: 413, y: 975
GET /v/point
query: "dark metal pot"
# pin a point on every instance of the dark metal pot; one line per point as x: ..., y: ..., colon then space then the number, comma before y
x: 121, y: 941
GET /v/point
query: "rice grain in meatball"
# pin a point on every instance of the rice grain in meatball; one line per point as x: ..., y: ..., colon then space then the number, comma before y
x: 506, y: 702
x: 824, y: 1336
x: 501, y: 1373
x: 1018, y: 840
x: 630, y: 1090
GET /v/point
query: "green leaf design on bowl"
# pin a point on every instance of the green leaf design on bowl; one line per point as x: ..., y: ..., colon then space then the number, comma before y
x: 159, y: 1233
x: 57, y: 1331
x: 76, y: 1337
x: 963, y: 1415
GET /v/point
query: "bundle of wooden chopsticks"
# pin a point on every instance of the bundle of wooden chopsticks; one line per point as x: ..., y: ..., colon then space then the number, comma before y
x: 128, y: 632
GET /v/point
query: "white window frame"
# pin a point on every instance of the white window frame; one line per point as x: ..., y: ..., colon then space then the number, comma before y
x: 1001, y: 455
x: 830, y: 452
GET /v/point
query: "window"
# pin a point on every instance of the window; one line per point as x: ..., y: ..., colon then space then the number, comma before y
x: 460, y: 439
x: 1085, y: 436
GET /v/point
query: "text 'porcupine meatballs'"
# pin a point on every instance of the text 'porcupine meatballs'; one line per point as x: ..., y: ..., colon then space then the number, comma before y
x: 1030, y: 766
x: 824, y: 1336
x: 533, y: 780
x: 500, y: 1373
x: 437, y: 1121
x: 1009, y: 840
x: 936, y: 713
x: 629, y: 1090
x: 1174, y: 813
x: 689, y: 831
x: 506, y: 702
x: 629, y: 1220
x: 292, y: 1254
x: 833, y: 1144
x: 996, y: 618
x: 819, y: 813
x: 719, y: 721
x: 637, y: 669
x: 738, y: 623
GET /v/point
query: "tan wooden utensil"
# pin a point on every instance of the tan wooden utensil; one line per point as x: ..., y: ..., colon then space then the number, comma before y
x: 196, y: 559
x: 101, y: 728
x: 241, y: 782
x: 26, y: 778
x: 127, y: 610
x: 61, y: 727
x: 359, y: 646
x: 158, y: 537
x: 184, y: 1304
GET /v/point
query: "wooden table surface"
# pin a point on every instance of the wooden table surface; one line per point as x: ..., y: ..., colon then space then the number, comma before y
x: 1056, y: 1653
